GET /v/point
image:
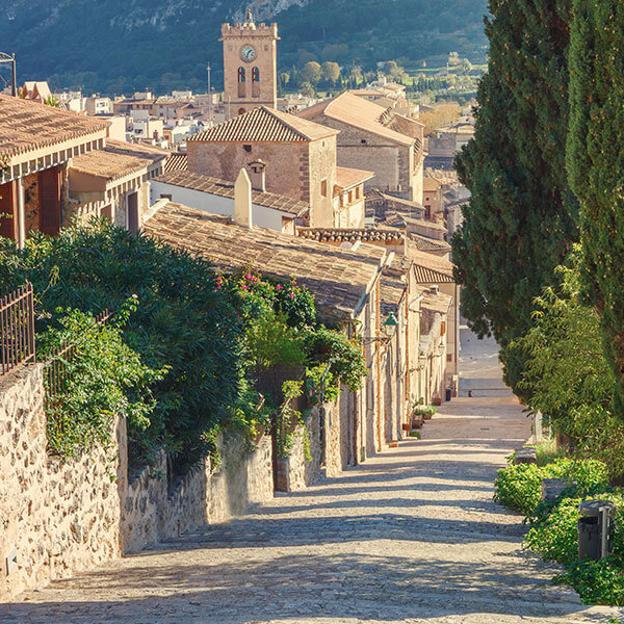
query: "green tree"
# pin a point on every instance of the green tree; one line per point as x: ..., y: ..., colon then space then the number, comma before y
x: 311, y: 72
x: 595, y: 163
x: 330, y: 71
x: 567, y: 375
x: 521, y: 220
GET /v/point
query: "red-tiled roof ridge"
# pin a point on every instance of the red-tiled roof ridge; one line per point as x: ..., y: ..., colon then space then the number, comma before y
x: 263, y: 124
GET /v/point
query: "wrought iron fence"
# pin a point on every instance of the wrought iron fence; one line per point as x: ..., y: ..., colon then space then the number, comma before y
x: 56, y: 367
x: 17, y: 329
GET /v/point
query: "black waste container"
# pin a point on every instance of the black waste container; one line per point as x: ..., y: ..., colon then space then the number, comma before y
x: 449, y: 394
x: 595, y: 529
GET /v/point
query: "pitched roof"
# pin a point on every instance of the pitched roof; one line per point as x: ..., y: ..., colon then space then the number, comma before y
x: 393, y: 285
x: 176, y: 162
x: 224, y: 188
x: 359, y: 112
x: 428, y: 268
x: 117, y: 160
x: 339, y: 279
x: 264, y: 125
x: 424, y: 243
x: 347, y: 177
x: 26, y: 126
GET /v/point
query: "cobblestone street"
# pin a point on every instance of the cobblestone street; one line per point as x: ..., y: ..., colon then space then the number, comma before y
x: 412, y: 536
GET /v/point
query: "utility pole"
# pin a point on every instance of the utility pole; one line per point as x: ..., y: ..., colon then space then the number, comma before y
x: 209, y: 68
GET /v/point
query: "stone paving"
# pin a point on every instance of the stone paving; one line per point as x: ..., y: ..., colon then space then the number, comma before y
x: 411, y: 536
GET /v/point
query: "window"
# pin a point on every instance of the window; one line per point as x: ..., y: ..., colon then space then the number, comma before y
x: 255, y: 82
x: 350, y: 197
x: 449, y: 357
x: 357, y: 193
x: 247, y: 148
x: 363, y: 141
x: 324, y: 188
x: 242, y: 78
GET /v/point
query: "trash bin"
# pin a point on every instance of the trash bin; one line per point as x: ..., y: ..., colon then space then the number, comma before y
x: 449, y: 394
x: 595, y: 529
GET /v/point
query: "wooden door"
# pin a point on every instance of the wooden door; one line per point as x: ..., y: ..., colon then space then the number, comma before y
x: 133, y: 212
x: 8, y: 210
x: 50, y: 201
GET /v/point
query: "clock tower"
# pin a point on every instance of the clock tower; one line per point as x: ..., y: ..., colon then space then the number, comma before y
x: 250, y: 65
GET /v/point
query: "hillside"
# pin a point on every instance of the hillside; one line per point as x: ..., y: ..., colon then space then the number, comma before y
x: 122, y: 45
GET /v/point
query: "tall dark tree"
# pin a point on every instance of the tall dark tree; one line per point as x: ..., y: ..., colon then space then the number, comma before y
x: 596, y: 162
x: 521, y: 220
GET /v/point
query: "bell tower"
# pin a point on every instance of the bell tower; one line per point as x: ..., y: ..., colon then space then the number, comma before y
x: 249, y: 65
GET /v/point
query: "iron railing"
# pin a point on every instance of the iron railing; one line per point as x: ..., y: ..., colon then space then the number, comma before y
x: 17, y: 329
x: 56, y: 367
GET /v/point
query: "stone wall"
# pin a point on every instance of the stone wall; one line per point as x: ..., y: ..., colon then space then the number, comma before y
x: 56, y: 517
x: 302, y: 468
x: 154, y: 512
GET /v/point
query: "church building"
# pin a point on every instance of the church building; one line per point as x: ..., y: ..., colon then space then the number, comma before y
x: 250, y: 65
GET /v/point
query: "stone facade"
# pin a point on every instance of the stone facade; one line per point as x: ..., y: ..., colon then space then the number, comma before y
x: 305, y: 171
x: 249, y: 66
x: 398, y: 167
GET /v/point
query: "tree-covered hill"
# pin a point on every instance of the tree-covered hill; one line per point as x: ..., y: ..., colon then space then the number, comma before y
x: 122, y: 45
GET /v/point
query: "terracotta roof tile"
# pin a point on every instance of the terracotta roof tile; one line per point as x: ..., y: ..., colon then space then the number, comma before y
x: 117, y: 159
x: 347, y: 177
x: 223, y: 188
x: 436, y: 302
x: 264, y: 125
x: 26, y: 126
x: 177, y: 162
x: 358, y: 112
x: 424, y: 243
x: 338, y: 278
x: 350, y: 235
x: 428, y: 268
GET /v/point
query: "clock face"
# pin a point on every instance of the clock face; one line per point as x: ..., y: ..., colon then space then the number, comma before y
x: 248, y: 54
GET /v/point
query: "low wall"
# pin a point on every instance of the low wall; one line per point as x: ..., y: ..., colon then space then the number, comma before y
x: 153, y: 512
x: 58, y: 517
x: 303, y: 466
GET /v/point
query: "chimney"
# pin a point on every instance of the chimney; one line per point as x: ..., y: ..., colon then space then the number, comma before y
x: 258, y: 175
x: 242, y: 200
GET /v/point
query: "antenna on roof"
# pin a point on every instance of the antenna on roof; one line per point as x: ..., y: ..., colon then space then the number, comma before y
x: 9, y: 59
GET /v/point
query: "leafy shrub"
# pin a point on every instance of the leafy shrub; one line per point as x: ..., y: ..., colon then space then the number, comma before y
x: 104, y: 378
x: 183, y: 321
x: 519, y: 487
x: 343, y: 356
x: 597, y: 582
x: 555, y: 536
x: 588, y: 475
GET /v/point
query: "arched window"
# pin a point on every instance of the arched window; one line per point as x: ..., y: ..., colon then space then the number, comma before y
x: 255, y: 82
x: 242, y: 77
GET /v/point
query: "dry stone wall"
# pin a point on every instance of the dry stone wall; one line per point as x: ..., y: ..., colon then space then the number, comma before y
x: 58, y: 517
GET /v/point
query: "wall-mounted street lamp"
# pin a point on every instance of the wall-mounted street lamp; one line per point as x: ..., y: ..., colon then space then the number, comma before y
x: 389, y: 325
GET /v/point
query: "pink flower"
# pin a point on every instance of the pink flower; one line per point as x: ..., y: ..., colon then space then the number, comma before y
x: 292, y: 295
x: 279, y: 287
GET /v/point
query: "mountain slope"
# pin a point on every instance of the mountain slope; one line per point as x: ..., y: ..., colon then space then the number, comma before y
x: 121, y: 45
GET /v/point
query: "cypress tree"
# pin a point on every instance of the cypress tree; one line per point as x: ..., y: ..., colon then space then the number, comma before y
x: 596, y: 163
x: 521, y: 220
